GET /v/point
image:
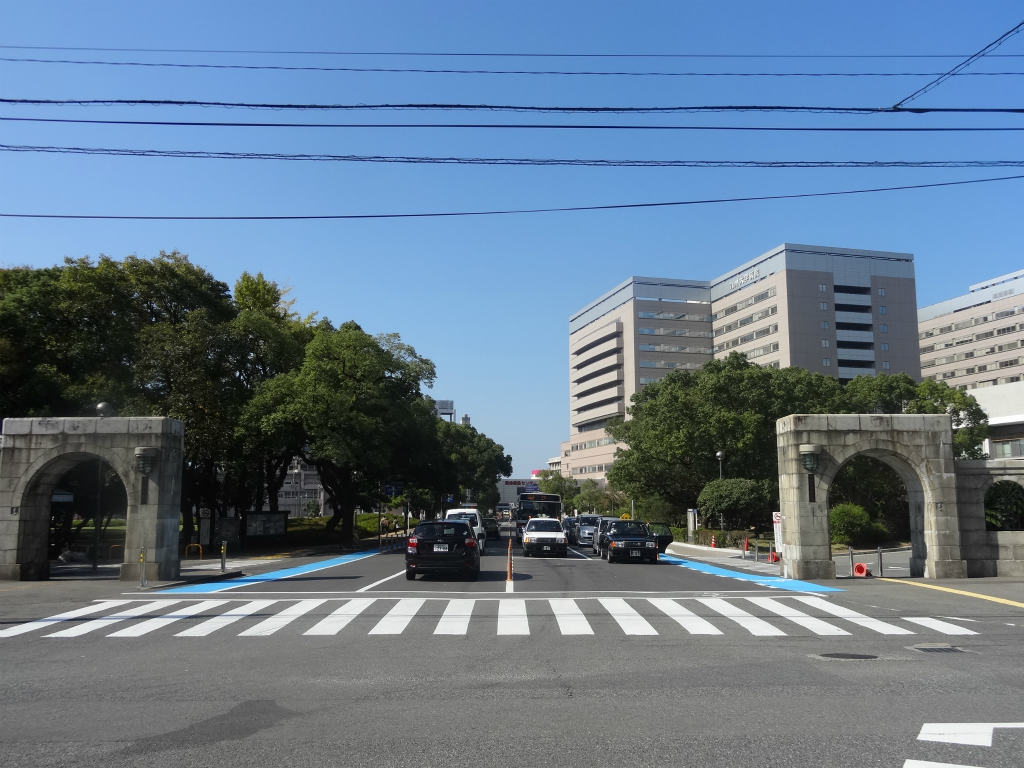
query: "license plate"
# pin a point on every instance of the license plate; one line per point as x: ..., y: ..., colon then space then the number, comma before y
x: 546, y: 547
x: 634, y: 553
x: 440, y: 547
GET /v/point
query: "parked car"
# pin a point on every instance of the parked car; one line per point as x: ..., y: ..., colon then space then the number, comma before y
x: 600, y: 542
x: 476, y: 521
x: 443, y: 547
x: 630, y: 540
x: 542, y: 536
x: 663, y: 534
x: 491, y: 527
x: 585, y: 527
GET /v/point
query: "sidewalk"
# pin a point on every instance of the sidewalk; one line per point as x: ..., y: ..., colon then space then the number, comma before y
x: 726, y: 558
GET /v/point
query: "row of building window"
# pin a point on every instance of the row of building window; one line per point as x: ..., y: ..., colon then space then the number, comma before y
x: 970, y: 323
x: 591, y: 444
x: 746, y: 338
x: 976, y: 337
x: 970, y: 354
x: 1007, y: 449
x: 767, y: 349
x: 1002, y: 364
x: 589, y: 470
x: 743, y: 321
x: 859, y: 290
x: 673, y: 316
x: 674, y: 348
x: 748, y: 302
x: 674, y: 332
x: 670, y: 364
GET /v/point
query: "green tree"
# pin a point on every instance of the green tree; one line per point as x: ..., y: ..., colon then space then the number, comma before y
x: 736, y: 504
x: 552, y: 481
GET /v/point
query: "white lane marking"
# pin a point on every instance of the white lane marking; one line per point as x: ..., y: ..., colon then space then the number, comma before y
x: 129, y: 613
x: 939, y: 626
x: 786, y: 611
x: 930, y: 764
x: 975, y: 734
x: 20, y: 629
x: 285, y: 617
x: 876, y: 625
x: 684, y: 617
x: 512, y: 618
x: 455, y: 620
x: 210, y: 626
x: 631, y: 622
x: 368, y: 587
x: 570, y: 618
x: 339, y: 619
x: 160, y: 622
x: 398, y: 618
x: 753, y: 625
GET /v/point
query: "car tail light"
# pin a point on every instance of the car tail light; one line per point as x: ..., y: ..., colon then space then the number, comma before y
x: 411, y: 546
x: 470, y: 543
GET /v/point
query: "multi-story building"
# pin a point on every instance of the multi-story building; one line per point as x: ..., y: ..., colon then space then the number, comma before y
x: 976, y: 340
x: 836, y: 311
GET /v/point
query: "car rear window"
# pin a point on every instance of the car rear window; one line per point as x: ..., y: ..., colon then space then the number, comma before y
x: 629, y: 529
x: 441, y: 529
x: 545, y: 525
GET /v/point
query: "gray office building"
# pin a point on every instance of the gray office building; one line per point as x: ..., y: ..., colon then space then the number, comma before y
x: 836, y: 311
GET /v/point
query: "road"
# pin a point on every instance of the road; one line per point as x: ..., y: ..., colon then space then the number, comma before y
x: 339, y: 661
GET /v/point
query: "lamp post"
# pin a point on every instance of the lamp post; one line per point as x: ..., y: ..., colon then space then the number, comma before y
x: 102, y: 409
x: 720, y: 455
x: 809, y: 459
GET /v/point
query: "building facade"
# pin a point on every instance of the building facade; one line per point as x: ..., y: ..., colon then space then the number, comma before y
x: 835, y: 311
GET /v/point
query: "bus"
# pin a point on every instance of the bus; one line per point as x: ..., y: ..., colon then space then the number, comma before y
x: 535, y: 504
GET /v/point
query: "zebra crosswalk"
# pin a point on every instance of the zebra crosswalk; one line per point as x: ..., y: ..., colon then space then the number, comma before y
x: 755, y: 616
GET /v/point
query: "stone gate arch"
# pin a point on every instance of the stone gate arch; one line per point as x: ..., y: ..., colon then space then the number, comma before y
x: 813, y: 447
x: 145, y: 452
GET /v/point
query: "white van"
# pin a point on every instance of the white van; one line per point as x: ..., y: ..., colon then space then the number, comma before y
x: 475, y: 520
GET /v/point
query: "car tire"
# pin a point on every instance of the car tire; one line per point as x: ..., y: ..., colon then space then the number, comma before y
x: 410, y: 574
x: 610, y: 558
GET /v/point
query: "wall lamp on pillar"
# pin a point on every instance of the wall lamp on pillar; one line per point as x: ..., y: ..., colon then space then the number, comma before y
x: 145, y: 459
x: 809, y: 453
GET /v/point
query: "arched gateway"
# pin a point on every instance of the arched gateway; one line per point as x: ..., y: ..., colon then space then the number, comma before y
x: 947, y: 516
x: 146, y: 453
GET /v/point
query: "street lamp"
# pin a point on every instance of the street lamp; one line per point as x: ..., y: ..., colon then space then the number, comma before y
x: 809, y: 459
x: 720, y: 455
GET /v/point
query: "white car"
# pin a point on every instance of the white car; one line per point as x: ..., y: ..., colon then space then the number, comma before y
x: 473, y: 517
x: 544, y: 536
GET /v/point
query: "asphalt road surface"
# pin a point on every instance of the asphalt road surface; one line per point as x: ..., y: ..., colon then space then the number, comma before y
x: 340, y: 661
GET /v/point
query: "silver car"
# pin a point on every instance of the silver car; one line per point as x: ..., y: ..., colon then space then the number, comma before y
x: 585, y: 527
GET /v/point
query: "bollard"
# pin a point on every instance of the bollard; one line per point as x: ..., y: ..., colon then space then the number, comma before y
x: 223, y: 556
x: 851, y: 561
x: 881, y: 572
x: 142, y: 567
x: 756, y: 546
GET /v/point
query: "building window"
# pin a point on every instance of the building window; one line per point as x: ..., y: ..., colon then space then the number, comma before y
x: 826, y: 362
x: 885, y: 365
x: 825, y: 344
x: 822, y: 288
x: 883, y: 328
x: 883, y: 310
x: 881, y: 291
x: 885, y: 346
x: 823, y: 306
x: 824, y: 325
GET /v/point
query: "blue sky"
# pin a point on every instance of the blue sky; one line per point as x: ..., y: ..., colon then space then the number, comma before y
x: 488, y: 298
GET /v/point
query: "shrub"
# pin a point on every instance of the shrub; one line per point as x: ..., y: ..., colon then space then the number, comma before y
x: 851, y: 524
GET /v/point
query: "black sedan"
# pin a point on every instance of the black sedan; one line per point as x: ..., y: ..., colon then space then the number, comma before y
x: 491, y: 528
x: 630, y: 540
x: 442, y: 547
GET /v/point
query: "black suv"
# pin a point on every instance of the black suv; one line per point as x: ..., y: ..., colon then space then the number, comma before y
x: 630, y: 540
x: 442, y: 546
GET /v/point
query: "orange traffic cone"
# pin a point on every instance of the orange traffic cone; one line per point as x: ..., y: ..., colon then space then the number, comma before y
x: 713, y: 541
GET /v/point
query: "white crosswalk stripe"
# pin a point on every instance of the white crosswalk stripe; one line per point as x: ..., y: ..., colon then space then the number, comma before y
x: 757, y: 616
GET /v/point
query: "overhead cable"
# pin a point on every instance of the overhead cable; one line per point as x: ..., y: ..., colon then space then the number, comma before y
x: 440, y: 214
x: 525, y: 161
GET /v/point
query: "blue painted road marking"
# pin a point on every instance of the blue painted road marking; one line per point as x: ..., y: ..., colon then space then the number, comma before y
x: 285, y: 573
x: 776, y: 582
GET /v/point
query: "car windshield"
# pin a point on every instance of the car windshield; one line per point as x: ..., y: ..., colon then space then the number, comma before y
x: 463, y: 516
x: 544, y: 525
x: 629, y: 529
x: 440, y: 530
x: 588, y: 521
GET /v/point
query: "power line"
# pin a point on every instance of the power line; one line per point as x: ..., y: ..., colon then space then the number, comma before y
x: 423, y: 70
x: 440, y: 214
x: 507, y: 54
x: 962, y: 65
x: 510, y: 126
x: 523, y: 161
x: 526, y: 108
